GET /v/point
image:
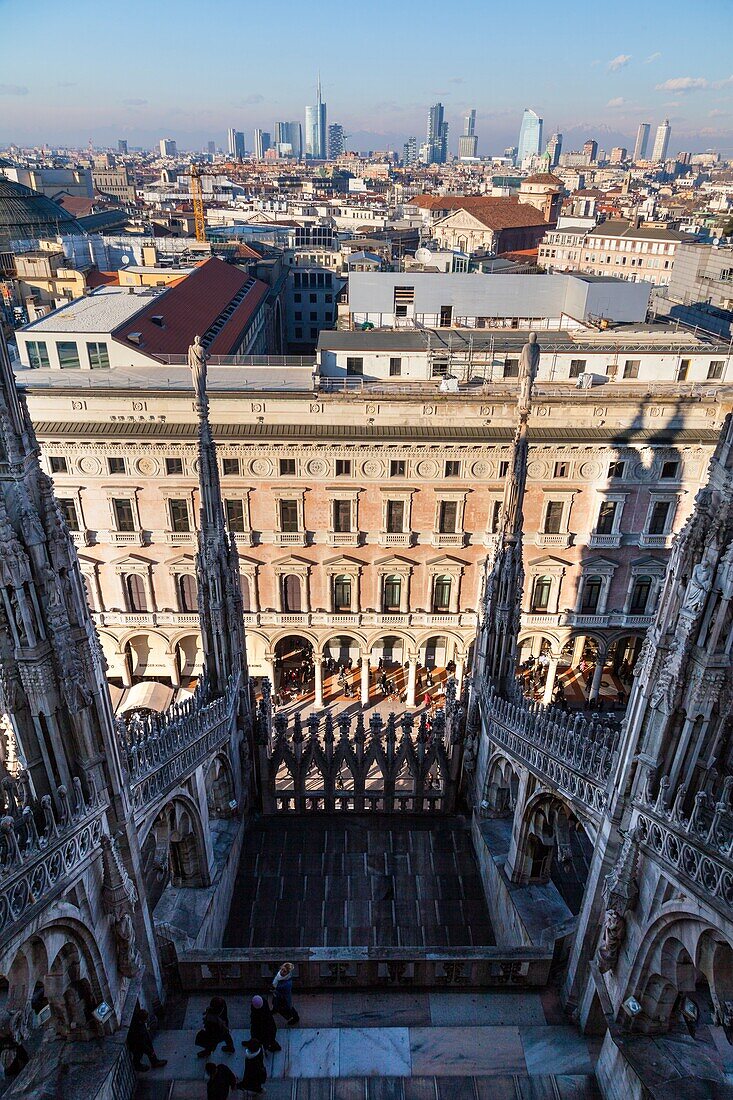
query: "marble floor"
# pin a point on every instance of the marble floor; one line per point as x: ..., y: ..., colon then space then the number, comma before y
x: 354, y: 881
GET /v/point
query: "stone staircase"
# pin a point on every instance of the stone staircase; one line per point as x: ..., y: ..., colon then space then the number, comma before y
x: 437, y: 1045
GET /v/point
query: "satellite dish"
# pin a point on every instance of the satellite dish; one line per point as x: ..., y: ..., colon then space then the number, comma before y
x: 423, y: 255
x: 716, y: 242
x: 125, y: 260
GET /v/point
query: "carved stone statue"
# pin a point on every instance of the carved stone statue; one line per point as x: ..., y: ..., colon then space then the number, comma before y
x: 197, y: 357
x: 698, y: 588
x: 529, y: 362
x: 614, y: 930
x: 128, y: 957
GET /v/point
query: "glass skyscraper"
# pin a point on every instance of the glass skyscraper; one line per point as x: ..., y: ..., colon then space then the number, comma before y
x: 530, y: 135
x: 316, y: 131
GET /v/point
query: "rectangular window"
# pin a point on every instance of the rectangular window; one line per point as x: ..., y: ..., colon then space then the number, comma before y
x: 715, y: 370
x: 439, y: 367
x: 448, y: 517
x: 287, y: 467
x: 606, y: 517
x: 354, y: 365
x: 670, y: 470
x: 230, y: 467
x: 503, y: 469
x: 452, y: 468
x: 68, y: 511
x: 342, y: 516
x: 577, y: 367
x: 58, y: 464
x: 298, y: 333
x: 395, y: 516
x: 591, y: 595
x: 38, y: 354
x: 124, y: 515
x: 511, y: 368
x: 561, y: 469
x: 288, y: 515
x: 446, y: 316
x: 659, y: 517
x: 631, y: 368
x: 494, y: 516
x: 343, y: 467
x: 174, y: 466
x: 553, y: 517
x: 98, y: 355
x: 397, y: 467
x: 616, y: 468
x: 115, y: 464
x: 395, y: 366
x: 68, y: 354
x: 683, y: 370
x: 404, y: 296
x: 234, y: 511
x: 180, y: 521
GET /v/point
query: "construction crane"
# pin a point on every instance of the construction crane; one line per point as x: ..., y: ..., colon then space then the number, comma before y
x: 197, y: 195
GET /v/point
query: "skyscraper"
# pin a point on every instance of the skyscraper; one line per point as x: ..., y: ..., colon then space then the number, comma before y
x: 409, y: 152
x: 661, y: 142
x: 168, y: 147
x: 121, y: 146
x: 468, y: 142
x: 336, y: 140
x: 289, y: 134
x: 235, y: 143
x: 554, y: 148
x: 315, y: 128
x: 211, y: 148
x: 260, y: 143
x: 642, y: 140
x: 590, y: 148
x: 437, y: 138
x: 530, y: 135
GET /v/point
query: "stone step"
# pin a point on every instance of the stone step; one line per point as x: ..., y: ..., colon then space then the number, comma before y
x: 499, y: 1087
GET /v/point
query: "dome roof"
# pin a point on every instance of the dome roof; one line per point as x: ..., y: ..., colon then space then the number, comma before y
x: 27, y: 213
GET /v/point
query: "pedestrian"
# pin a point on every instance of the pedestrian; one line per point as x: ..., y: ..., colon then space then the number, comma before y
x: 255, y: 1074
x: 282, y: 988
x: 262, y: 1024
x: 426, y: 699
x: 429, y: 678
x: 215, y: 1029
x: 219, y: 1081
x: 140, y: 1044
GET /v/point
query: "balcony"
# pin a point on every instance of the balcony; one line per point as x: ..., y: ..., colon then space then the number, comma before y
x: 395, y: 538
x: 606, y: 542
x: 652, y: 542
x: 344, y: 538
x: 289, y: 538
x: 123, y: 538
x: 243, y: 538
x: 179, y: 538
x: 81, y: 538
x: 445, y: 538
x: 560, y: 540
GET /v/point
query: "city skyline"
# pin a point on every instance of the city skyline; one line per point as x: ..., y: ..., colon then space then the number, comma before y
x: 621, y: 78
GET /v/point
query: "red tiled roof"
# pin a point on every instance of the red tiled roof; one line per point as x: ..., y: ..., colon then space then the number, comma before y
x: 97, y: 278
x: 544, y: 177
x: 495, y: 211
x: 78, y: 205
x: 191, y: 307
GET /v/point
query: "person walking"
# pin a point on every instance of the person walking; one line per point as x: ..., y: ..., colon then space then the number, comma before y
x: 262, y: 1024
x: 282, y: 989
x: 215, y: 1029
x: 219, y: 1081
x: 254, y: 1074
x: 140, y: 1044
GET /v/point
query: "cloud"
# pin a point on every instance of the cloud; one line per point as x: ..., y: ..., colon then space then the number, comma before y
x: 724, y: 83
x: 134, y: 102
x: 619, y: 101
x: 619, y: 62
x: 717, y: 113
x: 13, y: 89
x: 652, y: 57
x: 683, y: 84
x: 456, y: 80
x: 250, y: 100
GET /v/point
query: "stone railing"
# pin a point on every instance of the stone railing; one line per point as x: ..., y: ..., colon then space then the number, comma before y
x: 570, y: 752
x: 159, y: 749
x: 697, y: 847
x: 42, y: 843
x: 230, y: 971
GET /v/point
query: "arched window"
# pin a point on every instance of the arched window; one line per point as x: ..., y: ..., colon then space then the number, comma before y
x: 441, y: 594
x: 541, y: 593
x: 640, y: 595
x: 342, y: 593
x: 188, y: 592
x: 592, y: 587
x: 245, y: 590
x: 392, y: 593
x: 291, y: 593
x: 135, y: 592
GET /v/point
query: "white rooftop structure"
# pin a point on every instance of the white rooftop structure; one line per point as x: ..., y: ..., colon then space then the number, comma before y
x: 101, y: 311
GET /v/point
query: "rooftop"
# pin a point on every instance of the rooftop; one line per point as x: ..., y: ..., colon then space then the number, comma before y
x: 101, y: 311
x: 621, y: 228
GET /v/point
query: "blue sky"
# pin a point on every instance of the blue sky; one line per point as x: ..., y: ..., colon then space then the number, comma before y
x: 89, y: 69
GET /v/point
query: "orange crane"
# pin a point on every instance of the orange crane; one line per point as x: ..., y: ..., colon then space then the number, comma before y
x: 197, y: 195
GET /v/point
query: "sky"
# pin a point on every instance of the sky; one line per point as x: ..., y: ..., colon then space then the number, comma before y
x: 189, y: 69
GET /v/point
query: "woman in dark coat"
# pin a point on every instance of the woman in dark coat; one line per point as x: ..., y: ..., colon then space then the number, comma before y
x: 262, y: 1024
x: 255, y: 1074
x: 215, y: 1029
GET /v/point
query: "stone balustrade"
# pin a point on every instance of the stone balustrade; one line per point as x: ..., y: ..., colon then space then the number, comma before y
x: 698, y: 846
x: 43, y: 842
x: 567, y: 751
x: 230, y: 971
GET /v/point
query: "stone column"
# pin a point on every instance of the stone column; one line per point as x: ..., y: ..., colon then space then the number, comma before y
x: 270, y: 663
x: 595, y: 686
x: 365, y: 680
x: 578, y: 650
x: 411, y: 678
x: 318, y: 664
x: 460, y: 661
x: 550, y: 681
x: 175, y: 672
x: 149, y: 593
